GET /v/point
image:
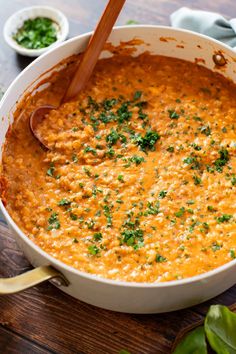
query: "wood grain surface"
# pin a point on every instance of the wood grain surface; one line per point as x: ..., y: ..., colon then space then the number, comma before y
x: 43, y: 319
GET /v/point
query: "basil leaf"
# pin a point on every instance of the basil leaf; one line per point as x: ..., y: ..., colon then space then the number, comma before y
x: 193, y: 343
x: 220, y: 328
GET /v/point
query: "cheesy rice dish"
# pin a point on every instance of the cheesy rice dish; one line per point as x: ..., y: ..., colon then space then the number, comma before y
x: 139, y: 183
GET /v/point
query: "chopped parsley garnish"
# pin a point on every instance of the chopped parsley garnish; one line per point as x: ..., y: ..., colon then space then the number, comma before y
x: 197, y: 119
x: 110, y: 152
x: 51, y: 170
x: 87, y: 171
x: 170, y: 149
x: 173, y: 114
x: 205, y: 129
x: 120, y: 178
x: 192, y: 160
x: 97, y: 236
x: 205, y: 225
x: 160, y: 259
x: 93, y: 250
x: 152, y: 208
x: 192, y: 226
x: 107, y: 213
x: 215, y: 246
x: 75, y: 240
x: 137, y: 95
x: 119, y: 201
x: 90, y: 223
x: 106, y: 117
x: 95, y: 190
x: 73, y: 216
x: 141, y: 114
x: 232, y: 253
x: 74, y: 158
x: 108, y: 104
x: 113, y: 137
x: 36, y: 33
x: 75, y: 129
x: 95, y: 125
x: 148, y: 141
x: 123, y: 112
x: 197, y: 180
x: 53, y: 222
x: 190, y: 202
x: 210, y: 169
x: 132, y: 237
x: 222, y: 160
x: 92, y: 104
x: 196, y: 147
x: 131, y: 222
x: 64, y: 202
x: 162, y: 194
x: 180, y: 213
x: 233, y: 180
x: 210, y: 208
x: 90, y: 149
x: 224, y: 218
x: 136, y: 159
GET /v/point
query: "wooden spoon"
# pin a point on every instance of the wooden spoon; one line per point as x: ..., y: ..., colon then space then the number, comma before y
x: 85, y: 67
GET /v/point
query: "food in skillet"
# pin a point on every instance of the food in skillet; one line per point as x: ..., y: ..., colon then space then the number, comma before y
x: 140, y: 181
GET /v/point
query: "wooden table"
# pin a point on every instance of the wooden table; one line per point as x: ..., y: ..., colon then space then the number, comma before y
x: 43, y: 319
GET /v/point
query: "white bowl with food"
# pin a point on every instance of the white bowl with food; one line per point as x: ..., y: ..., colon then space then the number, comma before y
x: 18, y: 29
x: 154, y: 230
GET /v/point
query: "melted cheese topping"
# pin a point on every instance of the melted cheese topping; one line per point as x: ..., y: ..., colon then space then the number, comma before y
x: 139, y: 184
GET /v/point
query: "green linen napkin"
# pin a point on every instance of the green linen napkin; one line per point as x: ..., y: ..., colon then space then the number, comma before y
x: 209, y: 23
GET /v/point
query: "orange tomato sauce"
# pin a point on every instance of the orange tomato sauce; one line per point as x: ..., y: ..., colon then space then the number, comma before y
x: 139, y: 182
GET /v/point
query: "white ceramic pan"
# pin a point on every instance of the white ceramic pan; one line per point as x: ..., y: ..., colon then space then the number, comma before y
x: 109, y: 294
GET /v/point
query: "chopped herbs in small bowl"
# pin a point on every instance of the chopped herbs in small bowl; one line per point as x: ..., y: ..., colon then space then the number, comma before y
x: 39, y: 32
x: 35, y: 29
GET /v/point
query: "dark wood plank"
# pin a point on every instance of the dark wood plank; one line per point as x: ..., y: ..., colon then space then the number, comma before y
x: 61, y: 320
x: 43, y: 319
x: 12, y: 343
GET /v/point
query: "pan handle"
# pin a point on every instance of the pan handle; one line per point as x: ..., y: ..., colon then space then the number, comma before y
x: 29, y: 279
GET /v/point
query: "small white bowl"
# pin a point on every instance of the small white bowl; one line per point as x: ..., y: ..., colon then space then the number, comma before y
x: 16, y: 21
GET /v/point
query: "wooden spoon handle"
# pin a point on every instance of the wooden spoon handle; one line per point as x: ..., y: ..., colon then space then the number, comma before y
x: 94, y: 48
